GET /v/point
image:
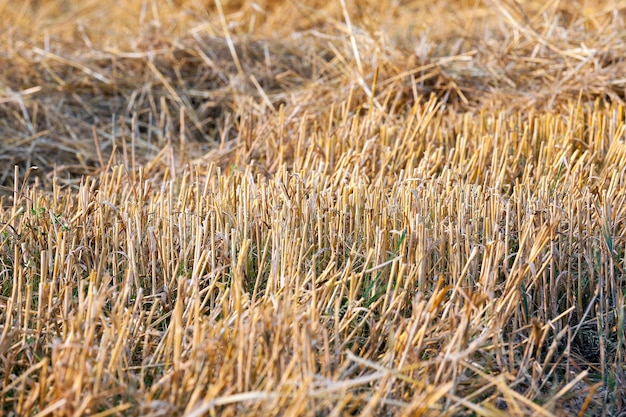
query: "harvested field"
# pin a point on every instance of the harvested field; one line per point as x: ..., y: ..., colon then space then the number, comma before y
x: 284, y: 208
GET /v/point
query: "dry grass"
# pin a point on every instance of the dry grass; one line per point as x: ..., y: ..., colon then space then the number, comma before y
x: 309, y: 208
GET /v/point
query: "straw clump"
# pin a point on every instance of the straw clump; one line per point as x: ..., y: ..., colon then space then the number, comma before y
x: 337, y: 209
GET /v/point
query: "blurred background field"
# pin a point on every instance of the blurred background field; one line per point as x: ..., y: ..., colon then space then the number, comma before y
x: 76, y: 70
x: 312, y: 208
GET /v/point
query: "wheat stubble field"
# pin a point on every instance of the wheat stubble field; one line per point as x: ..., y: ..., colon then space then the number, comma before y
x: 283, y: 208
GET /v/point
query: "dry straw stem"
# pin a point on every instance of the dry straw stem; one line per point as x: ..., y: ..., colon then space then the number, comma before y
x: 303, y: 208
